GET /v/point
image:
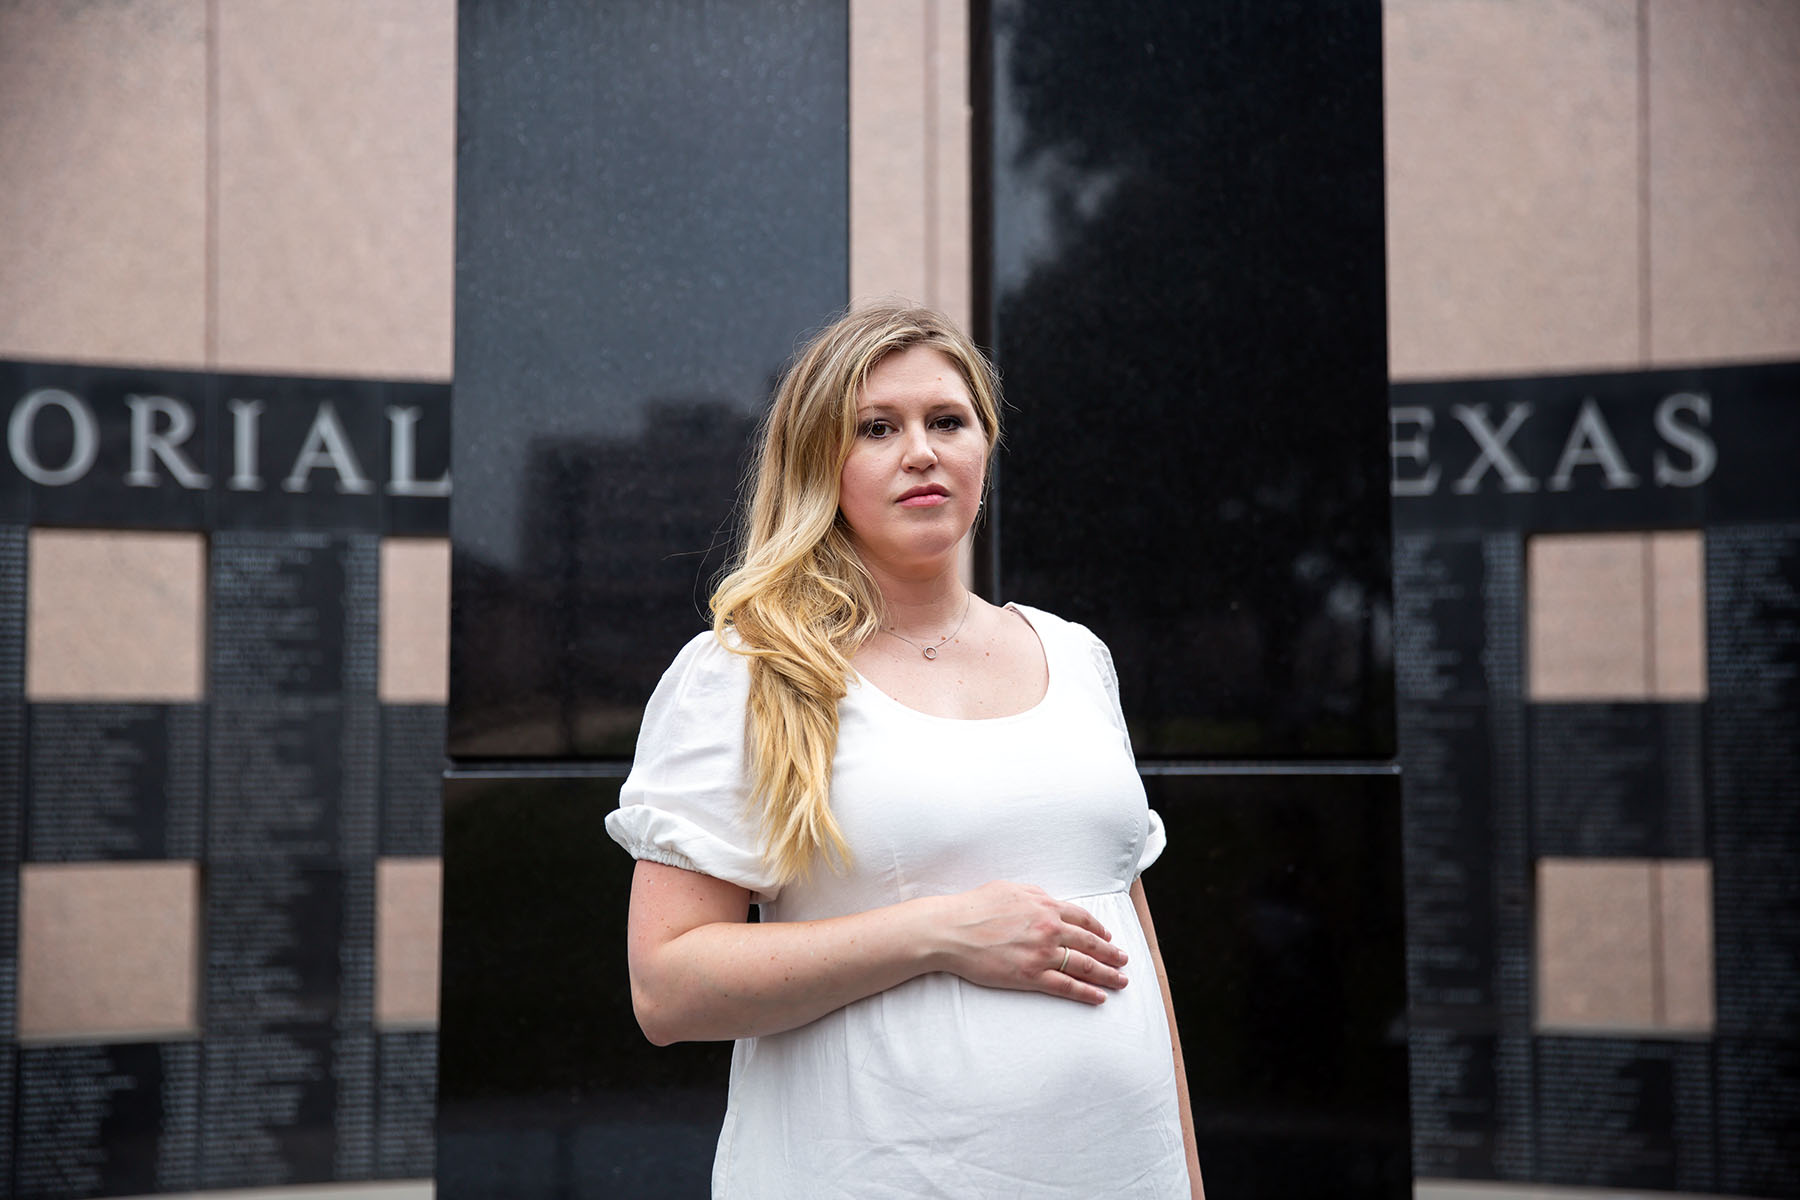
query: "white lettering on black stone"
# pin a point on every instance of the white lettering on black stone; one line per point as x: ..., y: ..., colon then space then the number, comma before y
x: 244, y: 417
x: 165, y: 444
x: 1681, y: 421
x: 1703, y: 456
x: 1492, y: 443
x: 327, y: 445
x: 401, y: 458
x: 1591, y: 443
x: 24, y: 455
x: 1416, y: 449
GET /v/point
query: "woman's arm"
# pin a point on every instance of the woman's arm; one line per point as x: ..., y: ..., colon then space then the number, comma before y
x: 1142, y: 905
x: 699, y: 972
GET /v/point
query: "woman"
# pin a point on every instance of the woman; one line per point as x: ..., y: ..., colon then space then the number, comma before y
x: 954, y: 988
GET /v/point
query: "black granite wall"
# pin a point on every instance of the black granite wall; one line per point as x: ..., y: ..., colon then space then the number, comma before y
x: 282, y: 783
x: 1499, y: 778
x: 652, y: 206
x: 1182, y: 261
x: 1182, y: 282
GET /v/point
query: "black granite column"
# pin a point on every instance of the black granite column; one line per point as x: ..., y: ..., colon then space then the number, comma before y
x: 1182, y: 279
x: 651, y: 204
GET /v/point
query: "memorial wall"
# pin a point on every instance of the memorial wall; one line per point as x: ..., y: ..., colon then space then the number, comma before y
x: 1597, y: 590
x: 613, y: 351
x: 223, y: 697
x: 228, y: 270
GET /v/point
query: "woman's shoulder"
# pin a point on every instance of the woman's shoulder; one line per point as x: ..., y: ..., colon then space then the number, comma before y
x: 1048, y: 624
x: 706, y: 666
x: 1074, y: 636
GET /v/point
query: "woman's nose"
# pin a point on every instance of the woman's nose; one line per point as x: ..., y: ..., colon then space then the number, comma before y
x: 918, y: 449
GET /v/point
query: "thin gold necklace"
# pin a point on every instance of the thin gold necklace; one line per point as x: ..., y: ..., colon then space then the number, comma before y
x: 931, y: 650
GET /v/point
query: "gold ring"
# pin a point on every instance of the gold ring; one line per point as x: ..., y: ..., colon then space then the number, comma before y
x: 1064, y: 965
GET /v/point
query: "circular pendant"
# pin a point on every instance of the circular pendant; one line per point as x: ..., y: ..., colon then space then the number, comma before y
x: 931, y: 652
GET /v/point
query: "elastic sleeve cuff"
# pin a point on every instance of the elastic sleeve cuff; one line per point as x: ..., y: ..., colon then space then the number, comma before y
x: 658, y: 835
x: 1155, y: 842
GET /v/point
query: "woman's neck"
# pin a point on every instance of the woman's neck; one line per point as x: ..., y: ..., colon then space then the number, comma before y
x: 922, y: 604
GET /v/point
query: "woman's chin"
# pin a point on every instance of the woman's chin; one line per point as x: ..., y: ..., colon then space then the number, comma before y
x: 921, y: 557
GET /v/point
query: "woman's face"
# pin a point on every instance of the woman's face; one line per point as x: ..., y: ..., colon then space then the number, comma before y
x: 912, y: 483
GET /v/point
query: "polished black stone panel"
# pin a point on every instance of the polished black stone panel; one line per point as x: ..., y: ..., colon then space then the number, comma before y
x: 300, y: 453
x: 1277, y: 904
x: 1618, y: 451
x: 278, y: 781
x: 115, y: 781
x: 118, y: 446
x: 1184, y: 290
x: 1278, y: 910
x: 546, y: 1085
x: 412, y: 779
x: 144, y: 447
x: 118, y: 1119
x: 1495, y: 784
x: 651, y: 207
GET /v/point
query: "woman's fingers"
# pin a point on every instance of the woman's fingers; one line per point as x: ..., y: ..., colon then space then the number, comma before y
x: 1089, y: 969
x: 1081, y: 979
x: 1090, y: 937
x: 1074, y: 914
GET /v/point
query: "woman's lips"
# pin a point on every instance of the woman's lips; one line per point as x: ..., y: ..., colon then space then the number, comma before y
x: 925, y: 500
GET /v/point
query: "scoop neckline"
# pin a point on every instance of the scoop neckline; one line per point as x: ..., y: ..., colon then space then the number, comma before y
x: 1050, y: 677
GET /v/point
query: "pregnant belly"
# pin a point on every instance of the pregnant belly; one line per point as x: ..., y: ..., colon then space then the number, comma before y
x: 943, y: 1063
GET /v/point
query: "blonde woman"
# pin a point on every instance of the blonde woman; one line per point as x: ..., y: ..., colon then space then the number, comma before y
x: 954, y: 988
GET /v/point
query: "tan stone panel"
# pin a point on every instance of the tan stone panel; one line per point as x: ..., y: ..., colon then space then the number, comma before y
x: 1512, y: 186
x: 415, y: 620
x: 888, y: 188
x: 336, y: 167
x: 909, y: 152
x: 950, y: 116
x: 1586, y: 617
x: 103, y: 154
x: 1725, y: 179
x: 108, y: 950
x: 1678, y: 608
x: 407, y: 922
x: 1685, y: 897
x: 1594, y: 952
x: 116, y: 615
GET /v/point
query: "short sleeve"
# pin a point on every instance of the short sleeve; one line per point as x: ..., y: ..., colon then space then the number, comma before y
x: 685, y: 803
x: 1155, y: 842
x: 1109, y: 679
x: 1156, y: 838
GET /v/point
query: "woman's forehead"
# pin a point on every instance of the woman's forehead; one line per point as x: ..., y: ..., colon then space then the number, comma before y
x: 917, y: 373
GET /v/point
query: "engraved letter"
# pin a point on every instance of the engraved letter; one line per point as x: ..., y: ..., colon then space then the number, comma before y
x: 1492, y: 442
x: 166, y: 445
x: 401, y: 422
x: 1699, y: 447
x: 327, y: 446
x: 1591, y: 442
x: 1416, y: 448
x: 245, y: 476
x: 24, y: 454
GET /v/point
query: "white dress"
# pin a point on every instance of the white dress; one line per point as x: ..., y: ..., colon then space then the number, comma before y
x: 938, y: 1087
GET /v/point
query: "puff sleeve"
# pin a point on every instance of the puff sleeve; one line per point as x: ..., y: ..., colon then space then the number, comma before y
x: 1156, y: 838
x: 685, y: 803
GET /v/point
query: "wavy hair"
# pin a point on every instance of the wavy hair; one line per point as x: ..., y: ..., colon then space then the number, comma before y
x: 797, y: 595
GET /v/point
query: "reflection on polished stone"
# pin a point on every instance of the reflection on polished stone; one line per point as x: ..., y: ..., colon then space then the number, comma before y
x: 1188, y: 310
x: 1278, y: 910
x: 546, y: 1085
x: 651, y: 208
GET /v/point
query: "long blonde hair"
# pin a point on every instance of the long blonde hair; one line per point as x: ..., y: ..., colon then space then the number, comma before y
x: 798, y: 596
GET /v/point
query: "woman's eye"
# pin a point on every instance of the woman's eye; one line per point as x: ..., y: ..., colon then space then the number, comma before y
x: 877, y: 429
x: 949, y: 422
